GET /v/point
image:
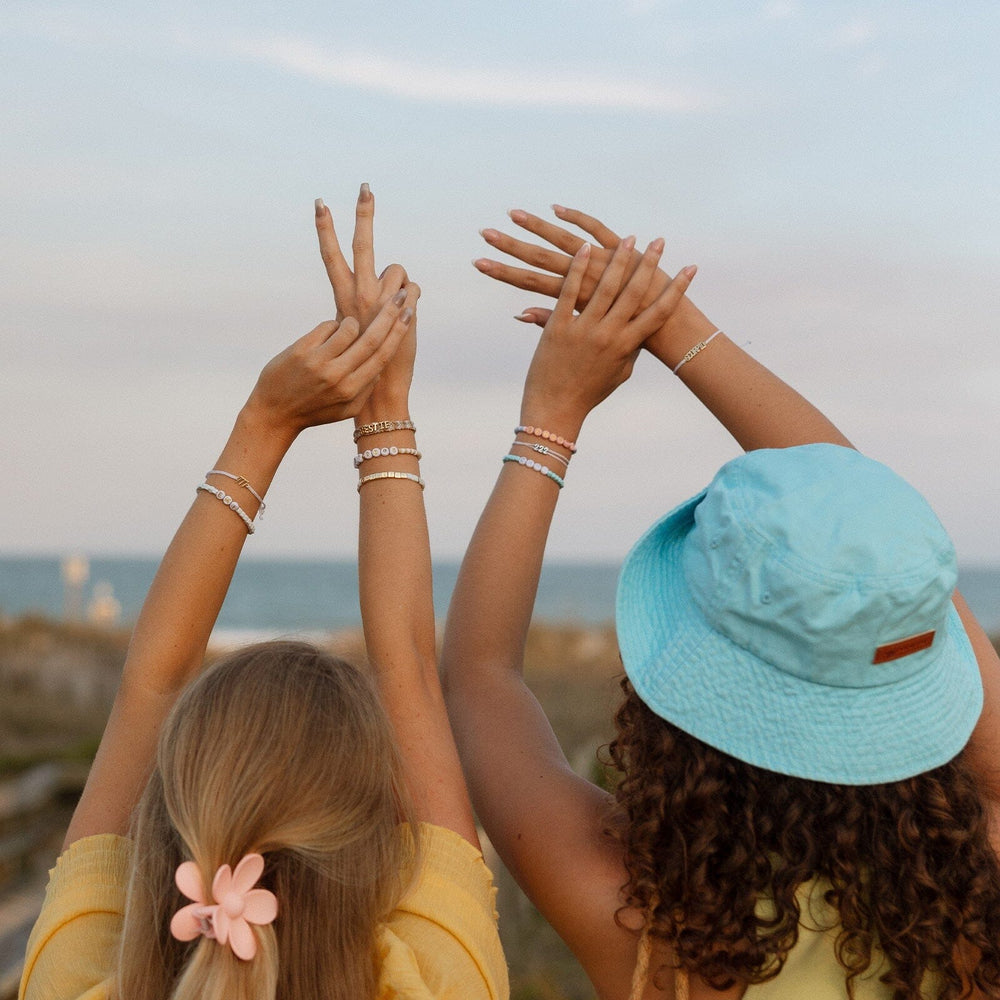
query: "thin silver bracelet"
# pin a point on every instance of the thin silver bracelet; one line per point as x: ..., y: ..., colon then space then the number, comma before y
x: 697, y: 349
x: 240, y: 481
x: 542, y: 450
x: 231, y: 504
x: 368, y: 453
x: 390, y: 475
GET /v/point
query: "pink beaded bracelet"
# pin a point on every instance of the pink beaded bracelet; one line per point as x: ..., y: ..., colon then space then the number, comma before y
x: 548, y: 436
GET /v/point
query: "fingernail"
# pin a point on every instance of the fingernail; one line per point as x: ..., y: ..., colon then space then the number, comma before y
x: 691, y: 270
x: 320, y: 207
x: 366, y: 193
x: 523, y: 317
x: 489, y: 234
x: 481, y: 265
x: 558, y: 209
x: 518, y: 215
x: 584, y: 251
x: 657, y: 245
x: 406, y: 315
x: 629, y: 243
x: 399, y: 298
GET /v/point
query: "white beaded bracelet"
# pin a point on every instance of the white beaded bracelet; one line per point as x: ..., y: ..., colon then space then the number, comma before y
x: 232, y: 504
x: 542, y: 450
x: 383, y: 452
x: 240, y: 481
x: 390, y: 475
x: 529, y: 463
x: 697, y: 349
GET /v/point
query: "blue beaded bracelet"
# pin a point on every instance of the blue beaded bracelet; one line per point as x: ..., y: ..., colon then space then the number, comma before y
x: 529, y: 463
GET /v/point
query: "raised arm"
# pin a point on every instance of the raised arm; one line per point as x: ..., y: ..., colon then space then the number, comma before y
x: 325, y: 376
x: 752, y: 403
x: 533, y: 806
x: 394, y: 560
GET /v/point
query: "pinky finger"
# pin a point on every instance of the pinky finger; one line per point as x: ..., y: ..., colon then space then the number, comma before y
x: 535, y: 315
x: 660, y: 309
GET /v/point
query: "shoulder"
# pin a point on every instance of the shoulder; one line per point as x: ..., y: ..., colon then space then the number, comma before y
x: 73, y: 943
x: 442, y: 936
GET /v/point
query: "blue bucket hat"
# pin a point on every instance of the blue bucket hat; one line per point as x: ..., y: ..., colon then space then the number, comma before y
x: 797, y: 615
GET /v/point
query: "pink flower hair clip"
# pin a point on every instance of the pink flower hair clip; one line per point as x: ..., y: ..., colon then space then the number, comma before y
x: 234, y: 905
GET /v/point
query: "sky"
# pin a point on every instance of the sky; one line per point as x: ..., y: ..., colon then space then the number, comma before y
x: 833, y: 169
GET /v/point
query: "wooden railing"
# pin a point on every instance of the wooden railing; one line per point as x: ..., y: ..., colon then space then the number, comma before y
x: 33, y: 812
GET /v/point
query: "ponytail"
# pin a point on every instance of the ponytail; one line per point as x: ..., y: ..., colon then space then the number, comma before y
x: 284, y: 751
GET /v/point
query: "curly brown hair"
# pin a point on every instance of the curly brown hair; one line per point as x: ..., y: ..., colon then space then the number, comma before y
x: 909, y: 864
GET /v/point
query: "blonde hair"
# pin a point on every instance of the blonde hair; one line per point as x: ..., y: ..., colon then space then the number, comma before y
x: 283, y: 750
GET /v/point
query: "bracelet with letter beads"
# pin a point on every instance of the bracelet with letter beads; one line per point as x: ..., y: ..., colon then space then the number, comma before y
x: 390, y: 475
x: 382, y: 427
x: 542, y: 450
x: 529, y: 463
x: 240, y: 481
x: 697, y: 349
x: 231, y: 504
x: 558, y: 439
x: 382, y: 452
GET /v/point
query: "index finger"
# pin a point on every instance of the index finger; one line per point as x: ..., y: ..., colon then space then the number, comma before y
x: 632, y: 294
x: 530, y: 253
x: 329, y: 247
x: 606, y: 237
x: 364, y: 240
x: 548, y: 231
x: 566, y: 302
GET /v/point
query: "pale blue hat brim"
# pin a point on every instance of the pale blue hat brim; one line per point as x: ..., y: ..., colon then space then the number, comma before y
x: 727, y: 697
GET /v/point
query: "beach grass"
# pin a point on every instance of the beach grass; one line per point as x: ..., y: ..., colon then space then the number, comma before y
x: 58, y: 681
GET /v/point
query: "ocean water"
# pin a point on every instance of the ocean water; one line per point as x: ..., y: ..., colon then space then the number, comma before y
x: 277, y: 597
x: 289, y: 596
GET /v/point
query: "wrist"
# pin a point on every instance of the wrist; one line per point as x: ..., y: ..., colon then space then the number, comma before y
x: 686, y: 326
x: 392, y: 405
x: 271, y: 434
x: 562, y: 421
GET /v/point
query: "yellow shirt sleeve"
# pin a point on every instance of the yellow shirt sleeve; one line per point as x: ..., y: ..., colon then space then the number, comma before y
x: 441, y: 941
x: 74, y: 944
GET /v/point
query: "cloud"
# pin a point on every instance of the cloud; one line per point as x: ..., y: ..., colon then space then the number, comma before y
x: 855, y: 34
x: 779, y: 10
x: 498, y: 86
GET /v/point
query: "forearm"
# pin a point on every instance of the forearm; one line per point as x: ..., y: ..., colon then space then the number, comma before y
x: 394, y: 563
x: 397, y: 610
x: 751, y: 402
x: 183, y: 603
x: 494, y: 595
x: 169, y: 640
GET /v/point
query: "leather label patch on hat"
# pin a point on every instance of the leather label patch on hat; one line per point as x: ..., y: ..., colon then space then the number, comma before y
x: 904, y: 647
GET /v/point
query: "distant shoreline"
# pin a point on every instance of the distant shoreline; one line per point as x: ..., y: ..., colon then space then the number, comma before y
x: 280, y: 597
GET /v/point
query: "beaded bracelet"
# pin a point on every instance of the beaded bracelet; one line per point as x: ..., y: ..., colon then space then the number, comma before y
x: 382, y: 452
x: 697, y: 349
x: 542, y: 450
x: 382, y: 426
x: 240, y: 481
x: 548, y: 435
x: 231, y: 504
x: 538, y: 467
x: 390, y: 475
